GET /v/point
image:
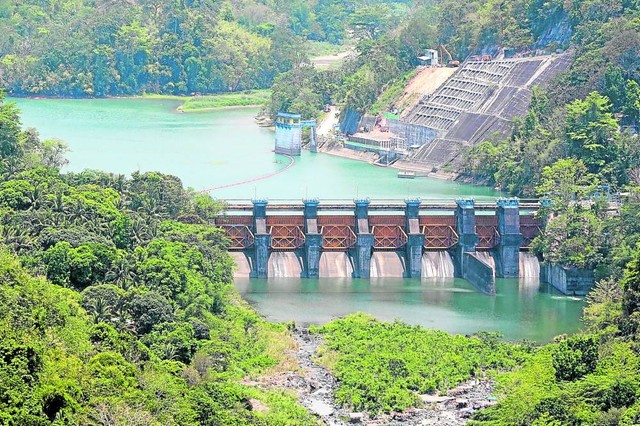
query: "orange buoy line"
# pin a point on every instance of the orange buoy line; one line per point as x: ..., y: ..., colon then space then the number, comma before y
x: 244, y: 182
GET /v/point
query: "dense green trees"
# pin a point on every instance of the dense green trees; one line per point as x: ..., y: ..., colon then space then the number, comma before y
x: 136, y: 321
x: 64, y: 48
x: 580, y: 380
x: 56, y: 367
x: 385, y: 366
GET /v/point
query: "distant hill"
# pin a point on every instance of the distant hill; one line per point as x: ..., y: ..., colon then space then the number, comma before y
x: 126, y: 47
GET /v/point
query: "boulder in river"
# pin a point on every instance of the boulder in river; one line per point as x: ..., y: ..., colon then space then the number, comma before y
x: 356, y: 417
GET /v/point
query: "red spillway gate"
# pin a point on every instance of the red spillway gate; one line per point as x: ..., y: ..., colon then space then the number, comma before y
x: 337, y: 232
x: 238, y: 230
x: 439, y: 232
x: 487, y: 230
x: 530, y: 227
x: 388, y: 232
x: 287, y: 232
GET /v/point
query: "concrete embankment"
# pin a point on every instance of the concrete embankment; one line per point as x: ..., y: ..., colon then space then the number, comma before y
x: 479, y: 272
x: 570, y: 281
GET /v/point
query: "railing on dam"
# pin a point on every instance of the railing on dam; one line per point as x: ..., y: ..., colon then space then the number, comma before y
x: 284, y: 205
x: 361, y: 227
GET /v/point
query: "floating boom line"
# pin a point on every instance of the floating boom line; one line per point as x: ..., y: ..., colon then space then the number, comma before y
x: 292, y: 161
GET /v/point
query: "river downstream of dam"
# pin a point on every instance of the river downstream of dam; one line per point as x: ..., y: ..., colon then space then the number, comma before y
x: 224, y: 148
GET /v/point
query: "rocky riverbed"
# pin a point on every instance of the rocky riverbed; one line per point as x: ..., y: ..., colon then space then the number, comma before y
x: 315, y: 386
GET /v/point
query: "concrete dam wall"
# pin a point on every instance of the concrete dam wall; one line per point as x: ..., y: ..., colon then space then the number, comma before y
x: 385, y: 244
x: 478, y: 249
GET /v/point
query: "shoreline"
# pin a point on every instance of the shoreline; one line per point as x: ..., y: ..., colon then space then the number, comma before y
x: 369, y: 157
x: 179, y: 98
x: 197, y: 110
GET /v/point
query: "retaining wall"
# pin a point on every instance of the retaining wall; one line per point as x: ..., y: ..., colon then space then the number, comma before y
x: 480, y: 274
x: 570, y: 281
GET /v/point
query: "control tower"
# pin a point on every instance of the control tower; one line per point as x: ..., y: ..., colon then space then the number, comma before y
x: 288, y: 133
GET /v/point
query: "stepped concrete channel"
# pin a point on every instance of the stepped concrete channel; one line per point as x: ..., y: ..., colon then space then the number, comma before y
x: 474, y: 241
x: 479, y: 100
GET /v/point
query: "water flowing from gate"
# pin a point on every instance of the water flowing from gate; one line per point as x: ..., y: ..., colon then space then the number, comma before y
x: 335, y: 265
x: 437, y: 264
x: 243, y: 267
x: 283, y: 264
x: 529, y: 265
x: 386, y: 264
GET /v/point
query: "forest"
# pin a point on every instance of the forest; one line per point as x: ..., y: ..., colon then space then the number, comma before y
x: 117, y: 307
x: 116, y: 296
x: 69, y: 48
x: 117, y: 304
x: 600, y: 35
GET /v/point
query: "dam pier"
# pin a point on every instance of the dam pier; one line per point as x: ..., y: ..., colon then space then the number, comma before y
x: 384, y: 238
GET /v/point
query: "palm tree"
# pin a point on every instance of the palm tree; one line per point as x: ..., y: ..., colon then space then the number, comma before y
x: 122, y: 273
x: 100, y: 310
x: 18, y: 238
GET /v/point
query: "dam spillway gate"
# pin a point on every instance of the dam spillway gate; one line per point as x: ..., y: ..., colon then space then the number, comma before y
x: 366, y: 239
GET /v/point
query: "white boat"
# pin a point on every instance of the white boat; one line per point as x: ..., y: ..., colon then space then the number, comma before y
x: 406, y: 175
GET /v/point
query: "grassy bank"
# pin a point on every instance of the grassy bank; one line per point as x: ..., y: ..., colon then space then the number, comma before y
x: 226, y: 100
x: 161, y: 96
x: 323, y: 48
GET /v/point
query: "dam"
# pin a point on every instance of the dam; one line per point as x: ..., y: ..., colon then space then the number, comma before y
x: 385, y: 238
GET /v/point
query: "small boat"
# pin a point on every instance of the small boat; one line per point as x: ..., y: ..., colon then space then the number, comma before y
x: 406, y: 175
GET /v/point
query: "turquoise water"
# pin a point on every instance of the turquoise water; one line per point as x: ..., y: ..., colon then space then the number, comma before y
x: 212, y: 149
x: 215, y: 149
x: 520, y: 310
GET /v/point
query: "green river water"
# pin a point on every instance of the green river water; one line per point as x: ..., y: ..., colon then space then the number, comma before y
x: 220, y: 148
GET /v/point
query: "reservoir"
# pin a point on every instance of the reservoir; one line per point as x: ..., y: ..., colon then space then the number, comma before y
x: 213, y: 149
x: 223, y: 148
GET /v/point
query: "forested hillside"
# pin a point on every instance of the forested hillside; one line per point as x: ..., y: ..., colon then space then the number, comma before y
x: 600, y: 34
x: 116, y: 301
x: 77, y: 48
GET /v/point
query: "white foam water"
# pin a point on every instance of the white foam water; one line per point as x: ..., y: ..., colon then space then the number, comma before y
x: 437, y: 264
x: 334, y: 264
x: 284, y: 265
x: 529, y: 265
x: 386, y: 264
